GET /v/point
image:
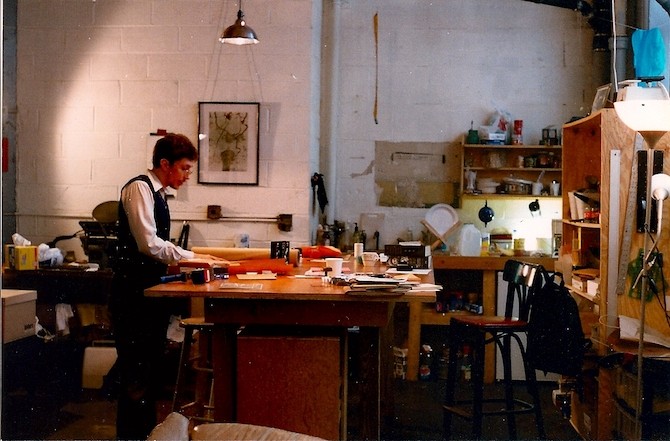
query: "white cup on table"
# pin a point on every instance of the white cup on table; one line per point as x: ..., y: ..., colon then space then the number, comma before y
x: 370, y: 258
x: 335, y: 264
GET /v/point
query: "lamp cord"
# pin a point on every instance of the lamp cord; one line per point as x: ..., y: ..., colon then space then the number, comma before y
x: 614, y: 50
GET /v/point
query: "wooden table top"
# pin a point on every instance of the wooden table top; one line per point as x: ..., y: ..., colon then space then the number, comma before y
x: 496, y: 263
x: 287, y: 287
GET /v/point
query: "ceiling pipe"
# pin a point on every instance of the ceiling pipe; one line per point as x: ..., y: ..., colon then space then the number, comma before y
x: 665, y: 4
x: 576, y: 5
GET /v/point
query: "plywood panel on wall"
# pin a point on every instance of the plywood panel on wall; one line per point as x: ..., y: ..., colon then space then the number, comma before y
x: 417, y: 174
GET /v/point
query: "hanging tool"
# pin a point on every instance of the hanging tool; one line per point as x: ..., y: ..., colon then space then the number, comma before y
x: 629, y: 217
x: 319, y: 191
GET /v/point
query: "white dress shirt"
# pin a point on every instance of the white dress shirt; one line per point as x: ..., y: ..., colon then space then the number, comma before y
x: 138, y: 202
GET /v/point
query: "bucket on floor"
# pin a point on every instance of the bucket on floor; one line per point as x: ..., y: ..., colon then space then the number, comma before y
x: 98, y: 360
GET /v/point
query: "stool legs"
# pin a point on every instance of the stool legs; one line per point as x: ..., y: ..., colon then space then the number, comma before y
x: 458, y: 335
x: 478, y: 351
x: 506, y: 355
x: 452, y: 373
x: 531, y: 382
x: 203, y: 402
x: 183, y: 366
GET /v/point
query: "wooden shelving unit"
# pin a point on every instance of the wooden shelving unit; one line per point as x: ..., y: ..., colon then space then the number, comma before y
x: 592, y: 145
x: 504, y: 161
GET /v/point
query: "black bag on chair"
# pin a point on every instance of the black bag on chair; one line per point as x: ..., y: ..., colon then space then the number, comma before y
x: 556, y: 341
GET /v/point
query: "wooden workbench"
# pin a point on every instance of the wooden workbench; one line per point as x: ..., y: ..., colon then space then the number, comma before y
x: 424, y: 313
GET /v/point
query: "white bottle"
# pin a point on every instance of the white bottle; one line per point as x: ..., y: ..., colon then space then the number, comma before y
x: 469, y: 241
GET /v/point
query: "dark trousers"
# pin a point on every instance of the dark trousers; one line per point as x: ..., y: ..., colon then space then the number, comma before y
x: 140, y: 325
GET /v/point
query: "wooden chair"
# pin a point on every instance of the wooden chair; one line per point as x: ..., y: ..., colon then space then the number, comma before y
x: 523, y: 281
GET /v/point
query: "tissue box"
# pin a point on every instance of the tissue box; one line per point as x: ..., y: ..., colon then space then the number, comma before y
x: 21, y: 257
x: 18, y: 314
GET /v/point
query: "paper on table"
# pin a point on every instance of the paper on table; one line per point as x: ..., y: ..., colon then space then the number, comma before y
x: 630, y: 330
x: 419, y: 271
x: 427, y: 287
x: 257, y: 276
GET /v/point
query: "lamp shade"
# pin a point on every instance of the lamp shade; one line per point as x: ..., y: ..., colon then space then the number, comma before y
x: 644, y: 109
x: 239, y: 33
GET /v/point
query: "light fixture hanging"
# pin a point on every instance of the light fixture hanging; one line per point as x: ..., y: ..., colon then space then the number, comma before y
x: 645, y: 109
x: 239, y: 33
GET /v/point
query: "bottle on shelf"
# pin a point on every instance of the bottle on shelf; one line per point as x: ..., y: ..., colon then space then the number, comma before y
x: 425, y: 362
x: 466, y: 364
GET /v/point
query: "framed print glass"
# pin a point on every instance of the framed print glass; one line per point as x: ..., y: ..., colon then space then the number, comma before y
x: 228, y: 143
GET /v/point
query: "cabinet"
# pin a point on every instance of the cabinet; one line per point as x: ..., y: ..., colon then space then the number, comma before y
x: 523, y: 162
x: 601, y: 146
x: 655, y: 415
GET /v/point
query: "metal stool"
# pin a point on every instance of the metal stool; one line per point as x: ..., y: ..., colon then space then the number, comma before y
x: 523, y: 281
x: 199, y: 409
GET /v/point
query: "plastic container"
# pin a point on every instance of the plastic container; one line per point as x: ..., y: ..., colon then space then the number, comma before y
x: 486, y: 243
x: 469, y: 241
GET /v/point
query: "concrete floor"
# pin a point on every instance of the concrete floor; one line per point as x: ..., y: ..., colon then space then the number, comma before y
x: 417, y: 416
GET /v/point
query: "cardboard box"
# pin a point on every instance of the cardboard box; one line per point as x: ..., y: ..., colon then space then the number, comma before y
x: 18, y: 314
x: 23, y: 257
x: 579, y: 283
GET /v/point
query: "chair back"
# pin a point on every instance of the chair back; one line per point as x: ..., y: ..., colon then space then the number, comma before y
x: 523, y: 281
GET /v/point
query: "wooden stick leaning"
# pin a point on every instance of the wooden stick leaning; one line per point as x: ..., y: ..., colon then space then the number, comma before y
x: 441, y: 237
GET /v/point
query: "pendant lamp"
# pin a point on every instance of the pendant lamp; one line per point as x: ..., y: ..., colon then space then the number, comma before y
x: 645, y: 109
x: 239, y: 33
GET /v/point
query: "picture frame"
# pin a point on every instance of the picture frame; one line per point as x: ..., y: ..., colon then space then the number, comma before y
x: 601, y: 97
x: 228, y: 143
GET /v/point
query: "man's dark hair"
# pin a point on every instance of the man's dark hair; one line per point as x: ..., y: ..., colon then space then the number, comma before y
x: 173, y: 147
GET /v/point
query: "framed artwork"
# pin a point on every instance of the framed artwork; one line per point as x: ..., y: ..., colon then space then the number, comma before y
x: 228, y: 143
x: 600, y: 100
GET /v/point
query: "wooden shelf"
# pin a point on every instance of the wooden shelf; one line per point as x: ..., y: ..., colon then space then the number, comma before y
x: 498, y: 162
x: 429, y: 316
x: 515, y: 146
x: 506, y: 196
x: 519, y: 169
x: 582, y: 294
x: 582, y: 224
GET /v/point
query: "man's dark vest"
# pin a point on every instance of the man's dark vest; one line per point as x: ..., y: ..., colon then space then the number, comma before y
x: 130, y: 259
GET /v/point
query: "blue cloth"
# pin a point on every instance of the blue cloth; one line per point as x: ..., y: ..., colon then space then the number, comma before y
x: 648, y: 53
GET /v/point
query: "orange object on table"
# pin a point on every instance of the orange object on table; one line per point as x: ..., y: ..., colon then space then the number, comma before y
x: 278, y: 266
x: 320, y: 251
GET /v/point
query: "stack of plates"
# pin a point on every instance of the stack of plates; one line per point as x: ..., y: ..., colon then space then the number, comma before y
x: 440, y: 219
x: 487, y: 185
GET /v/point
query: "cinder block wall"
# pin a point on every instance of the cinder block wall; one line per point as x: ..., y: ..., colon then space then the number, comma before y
x: 96, y: 78
x: 442, y: 65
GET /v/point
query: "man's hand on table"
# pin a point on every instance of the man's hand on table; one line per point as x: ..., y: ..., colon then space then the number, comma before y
x: 208, y: 259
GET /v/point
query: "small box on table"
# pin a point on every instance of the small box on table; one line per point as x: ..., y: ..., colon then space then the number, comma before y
x: 20, y: 257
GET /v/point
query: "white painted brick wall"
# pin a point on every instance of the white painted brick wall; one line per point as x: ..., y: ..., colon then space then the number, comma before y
x: 94, y: 78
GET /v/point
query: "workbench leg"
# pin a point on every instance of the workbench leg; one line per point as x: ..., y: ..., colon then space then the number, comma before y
x: 370, y: 376
x: 224, y: 353
x: 489, y: 304
x: 413, y: 340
